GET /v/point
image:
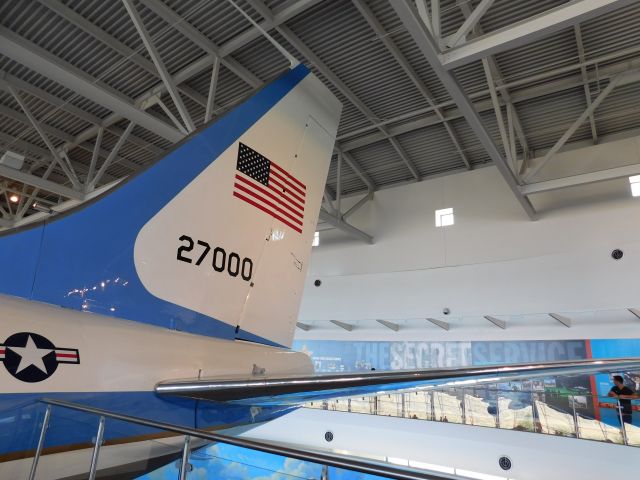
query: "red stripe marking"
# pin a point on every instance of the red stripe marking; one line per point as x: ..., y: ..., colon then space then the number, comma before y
x: 592, y: 384
x: 272, y: 205
x: 67, y: 355
x: 257, y: 205
x: 279, y: 191
x: 283, y: 179
x: 282, y: 170
x: 253, y: 184
x: 287, y: 191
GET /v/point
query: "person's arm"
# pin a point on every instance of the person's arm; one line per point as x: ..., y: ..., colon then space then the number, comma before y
x: 612, y: 394
x: 629, y: 395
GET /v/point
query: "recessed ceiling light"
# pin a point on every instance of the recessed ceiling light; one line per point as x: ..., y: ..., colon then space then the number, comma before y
x: 14, y: 198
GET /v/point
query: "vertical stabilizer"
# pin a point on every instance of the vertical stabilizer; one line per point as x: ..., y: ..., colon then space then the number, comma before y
x: 214, y: 238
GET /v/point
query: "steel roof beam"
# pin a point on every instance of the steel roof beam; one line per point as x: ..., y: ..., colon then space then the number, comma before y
x: 621, y: 79
x: 497, y: 109
x: 427, y: 46
x: 344, y: 226
x: 383, y: 35
x: 40, y: 183
x: 201, y: 40
x: 357, y: 169
x: 10, y: 113
x: 36, y: 125
x: 213, y: 85
x: 582, y: 179
x: 128, y: 53
x: 50, y: 66
x: 587, y: 89
x: 504, y: 92
x: 205, y: 62
x: 34, y: 193
x: 8, y: 79
x: 112, y: 155
x: 169, y: 84
x: 521, y: 95
x: 358, y: 205
x: 297, y: 43
x: 470, y: 22
x: 529, y: 30
x: 94, y: 160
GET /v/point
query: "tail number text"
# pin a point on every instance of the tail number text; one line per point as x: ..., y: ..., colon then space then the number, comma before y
x: 221, y: 261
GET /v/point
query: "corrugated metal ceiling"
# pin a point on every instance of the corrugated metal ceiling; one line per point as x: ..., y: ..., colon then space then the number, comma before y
x: 543, y: 78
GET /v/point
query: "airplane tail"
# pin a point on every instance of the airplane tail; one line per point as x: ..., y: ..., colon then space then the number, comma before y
x: 212, y: 239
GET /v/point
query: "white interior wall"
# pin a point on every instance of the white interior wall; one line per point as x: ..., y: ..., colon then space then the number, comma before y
x: 493, y: 261
x: 533, y: 456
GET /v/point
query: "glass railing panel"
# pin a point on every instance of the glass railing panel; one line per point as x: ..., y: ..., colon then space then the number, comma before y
x: 389, y: 405
x: 591, y: 429
x: 555, y: 422
x: 633, y: 434
x: 362, y: 405
x: 235, y: 463
x: 418, y: 405
x: 339, y: 405
x: 65, y: 450
x: 20, y: 428
x: 553, y: 413
x: 477, y: 412
x: 447, y: 407
x: 513, y: 418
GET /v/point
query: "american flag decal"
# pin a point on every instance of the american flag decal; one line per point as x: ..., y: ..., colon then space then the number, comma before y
x: 270, y: 188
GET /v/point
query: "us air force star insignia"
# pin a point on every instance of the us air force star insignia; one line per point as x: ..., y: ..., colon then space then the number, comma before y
x: 30, y: 357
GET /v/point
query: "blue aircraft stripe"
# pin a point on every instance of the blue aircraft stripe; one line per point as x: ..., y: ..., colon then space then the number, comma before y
x: 21, y: 417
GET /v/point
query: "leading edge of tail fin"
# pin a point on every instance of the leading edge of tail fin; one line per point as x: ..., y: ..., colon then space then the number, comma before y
x: 213, y: 239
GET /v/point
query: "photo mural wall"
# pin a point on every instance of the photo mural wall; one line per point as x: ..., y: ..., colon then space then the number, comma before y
x: 353, y: 356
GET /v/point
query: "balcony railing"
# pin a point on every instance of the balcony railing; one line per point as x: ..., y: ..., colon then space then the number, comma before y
x: 194, y: 439
x: 568, y: 415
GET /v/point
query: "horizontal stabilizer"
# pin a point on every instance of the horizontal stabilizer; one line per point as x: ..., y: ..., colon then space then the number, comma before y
x: 294, y: 390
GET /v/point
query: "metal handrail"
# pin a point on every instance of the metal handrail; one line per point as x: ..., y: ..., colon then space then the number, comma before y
x: 363, y: 466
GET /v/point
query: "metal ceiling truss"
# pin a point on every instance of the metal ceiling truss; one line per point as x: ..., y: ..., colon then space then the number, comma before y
x: 430, y: 50
x: 413, y: 120
x: 377, y: 27
x: 74, y: 177
x: 625, y: 78
x: 39, y: 60
x: 529, y: 30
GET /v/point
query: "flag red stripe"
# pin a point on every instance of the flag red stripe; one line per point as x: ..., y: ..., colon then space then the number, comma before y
x: 284, y: 180
x: 67, y: 355
x: 282, y: 170
x: 279, y: 191
x: 297, y: 212
x: 257, y: 205
x: 1, y: 351
x: 272, y: 179
x: 272, y: 205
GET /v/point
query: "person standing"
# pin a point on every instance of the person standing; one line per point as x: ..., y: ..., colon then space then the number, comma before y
x: 624, y: 395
